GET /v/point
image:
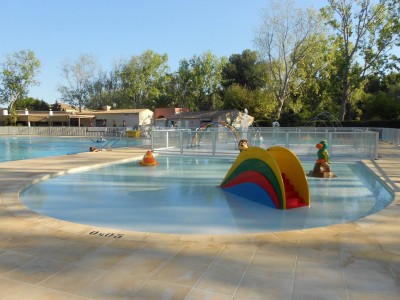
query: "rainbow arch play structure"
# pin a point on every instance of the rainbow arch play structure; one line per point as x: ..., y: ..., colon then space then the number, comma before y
x: 276, y: 173
x: 195, y: 140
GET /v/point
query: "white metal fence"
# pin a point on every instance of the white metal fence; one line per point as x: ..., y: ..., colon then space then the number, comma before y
x: 65, y: 131
x: 343, y: 142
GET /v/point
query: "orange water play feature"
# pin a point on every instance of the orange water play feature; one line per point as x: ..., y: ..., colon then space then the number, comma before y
x: 149, y: 159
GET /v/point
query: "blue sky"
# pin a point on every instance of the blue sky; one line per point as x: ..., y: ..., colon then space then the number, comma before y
x: 57, y: 30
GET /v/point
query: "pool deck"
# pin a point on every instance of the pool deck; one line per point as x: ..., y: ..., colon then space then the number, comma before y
x: 43, y: 258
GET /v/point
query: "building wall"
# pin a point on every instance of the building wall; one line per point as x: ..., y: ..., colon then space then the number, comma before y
x: 134, y: 120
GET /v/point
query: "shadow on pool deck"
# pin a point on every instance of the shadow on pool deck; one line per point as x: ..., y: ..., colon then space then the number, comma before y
x: 44, y: 258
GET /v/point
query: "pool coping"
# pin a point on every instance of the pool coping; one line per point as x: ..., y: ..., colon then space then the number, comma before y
x: 13, y: 207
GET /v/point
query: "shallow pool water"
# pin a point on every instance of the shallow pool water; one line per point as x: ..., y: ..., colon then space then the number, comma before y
x: 182, y: 195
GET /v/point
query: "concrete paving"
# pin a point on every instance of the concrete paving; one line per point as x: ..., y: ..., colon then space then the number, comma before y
x: 45, y: 258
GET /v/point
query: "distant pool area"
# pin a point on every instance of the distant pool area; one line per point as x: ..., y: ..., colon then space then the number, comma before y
x: 26, y: 147
x: 181, y: 196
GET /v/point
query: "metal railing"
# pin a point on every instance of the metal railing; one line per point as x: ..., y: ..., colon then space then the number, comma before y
x: 65, y: 131
x: 343, y: 142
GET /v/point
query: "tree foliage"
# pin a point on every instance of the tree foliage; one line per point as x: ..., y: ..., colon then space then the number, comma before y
x: 17, y: 76
x: 201, y: 81
x: 31, y: 104
x: 244, y: 69
x: 286, y: 38
x: 141, y: 77
x: 79, y: 75
x: 366, y: 33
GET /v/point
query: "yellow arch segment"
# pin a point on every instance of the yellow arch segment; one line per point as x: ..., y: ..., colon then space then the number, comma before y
x: 289, y: 164
x: 263, y: 155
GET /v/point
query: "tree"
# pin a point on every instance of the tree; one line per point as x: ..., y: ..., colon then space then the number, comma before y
x: 286, y: 38
x: 79, y: 76
x: 31, y: 104
x: 141, y: 76
x: 260, y: 103
x: 17, y: 76
x: 244, y: 69
x: 200, y: 79
x: 366, y: 34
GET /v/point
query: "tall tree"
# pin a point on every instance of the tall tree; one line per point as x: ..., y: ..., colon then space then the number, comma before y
x: 141, y: 76
x: 17, y: 76
x: 31, y: 104
x: 201, y: 78
x: 79, y: 76
x: 286, y: 38
x: 366, y: 33
x: 244, y: 69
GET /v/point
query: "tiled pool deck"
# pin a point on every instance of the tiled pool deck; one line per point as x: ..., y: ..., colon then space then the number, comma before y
x: 44, y: 258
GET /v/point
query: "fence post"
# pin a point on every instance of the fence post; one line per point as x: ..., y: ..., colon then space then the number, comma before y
x: 330, y: 142
x: 287, y: 140
x: 376, y: 145
x: 214, y: 142
x: 181, y: 140
x: 152, y: 140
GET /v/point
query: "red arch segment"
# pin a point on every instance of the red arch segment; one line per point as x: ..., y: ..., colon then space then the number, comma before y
x: 256, y: 178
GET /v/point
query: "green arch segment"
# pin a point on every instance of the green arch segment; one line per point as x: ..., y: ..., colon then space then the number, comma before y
x: 261, y: 167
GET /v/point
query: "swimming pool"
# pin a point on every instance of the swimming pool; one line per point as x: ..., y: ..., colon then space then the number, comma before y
x: 25, y: 147
x: 182, y: 195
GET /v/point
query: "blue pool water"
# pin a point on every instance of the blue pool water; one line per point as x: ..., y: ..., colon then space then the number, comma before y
x: 182, y: 195
x: 17, y: 147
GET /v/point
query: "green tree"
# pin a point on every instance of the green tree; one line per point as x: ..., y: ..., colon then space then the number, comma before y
x: 200, y: 81
x: 261, y: 104
x: 244, y: 69
x: 365, y: 32
x: 31, y: 104
x: 17, y: 76
x: 286, y: 38
x: 141, y: 77
x: 79, y: 76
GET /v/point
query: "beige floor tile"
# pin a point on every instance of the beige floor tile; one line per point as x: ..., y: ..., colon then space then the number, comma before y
x: 285, y: 249
x: 103, y: 258
x: 235, y: 257
x: 372, y: 260
x: 140, y: 264
x: 126, y: 244
x: 377, y: 282
x: 309, y: 291
x: 319, y: 274
x: 258, y: 287
x: 320, y: 253
x: 180, y: 273
x: 198, y: 294
x: 368, y: 295
x: 72, y: 279
x: 10, y: 289
x: 273, y: 266
x: 220, y: 279
x: 59, y: 249
x: 199, y: 238
x: 161, y: 290
x: 360, y: 243
x: 36, y: 270
x: 114, y: 285
x: 11, y: 260
x: 41, y: 293
x: 161, y: 250
x: 294, y: 235
x: 199, y: 254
